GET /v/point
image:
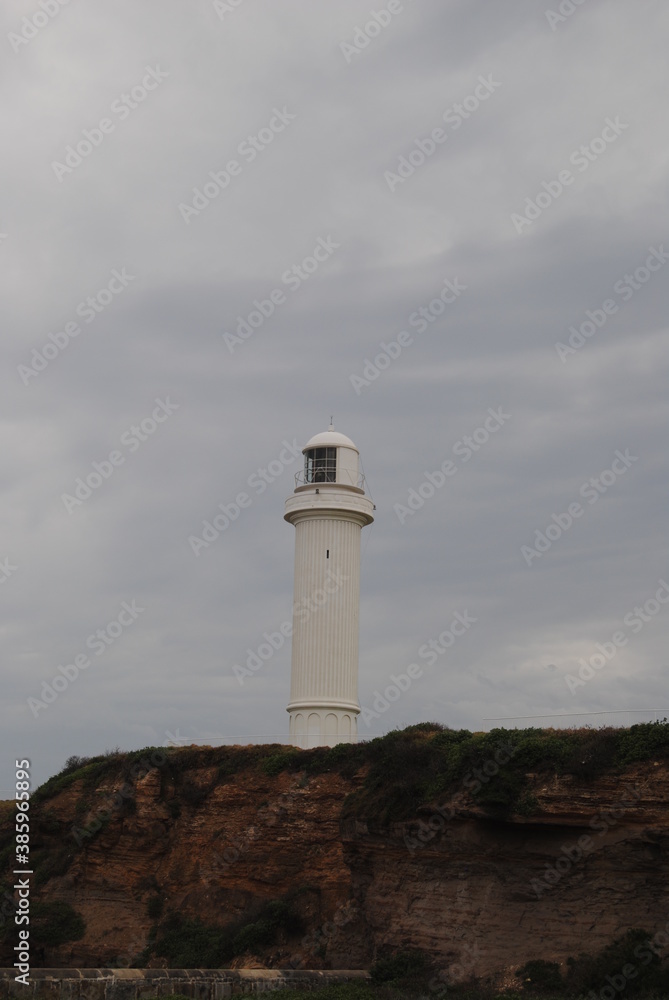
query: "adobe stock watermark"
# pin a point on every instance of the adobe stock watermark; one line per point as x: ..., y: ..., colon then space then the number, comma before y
x: 87, y: 310
x: 31, y: 26
x: 363, y: 35
x: 249, y: 149
x: 258, y: 481
x: 581, y: 158
x: 606, y: 651
x: 130, y: 440
x: 625, y: 287
x: 7, y: 569
x: 454, y: 116
x: 592, y: 490
x: 430, y: 651
x: 571, y: 854
x: 302, y: 612
x: 98, y: 642
x: 222, y: 7
x: 465, y: 449
x: 293, y: 278
x: 565, y: 9
x: 122, y: 107
x: 419, y: 319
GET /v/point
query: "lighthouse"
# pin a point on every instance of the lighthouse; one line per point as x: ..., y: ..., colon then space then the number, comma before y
x: 328, y: 508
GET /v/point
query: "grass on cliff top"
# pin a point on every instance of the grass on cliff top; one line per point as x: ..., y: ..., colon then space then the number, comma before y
x: 416, y: 766
x: 403, y: 770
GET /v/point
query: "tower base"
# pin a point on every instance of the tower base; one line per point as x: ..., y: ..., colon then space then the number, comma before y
x: 322, y: 725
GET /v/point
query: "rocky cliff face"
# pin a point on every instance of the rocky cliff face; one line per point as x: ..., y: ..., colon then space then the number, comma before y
x: 484, y: 895
x: 582, y: 863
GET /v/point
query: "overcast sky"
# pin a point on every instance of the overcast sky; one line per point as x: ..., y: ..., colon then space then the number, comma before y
x: 516, y: 152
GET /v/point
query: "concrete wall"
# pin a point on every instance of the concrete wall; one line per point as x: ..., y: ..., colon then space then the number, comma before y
x: 140, y: 984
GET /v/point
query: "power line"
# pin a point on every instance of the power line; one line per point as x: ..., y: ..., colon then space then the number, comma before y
x: 571, y: 715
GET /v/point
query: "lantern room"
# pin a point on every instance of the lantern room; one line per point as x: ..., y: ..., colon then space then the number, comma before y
x: 330, y: 457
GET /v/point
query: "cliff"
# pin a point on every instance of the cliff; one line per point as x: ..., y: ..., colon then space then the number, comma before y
x: 485, y: 851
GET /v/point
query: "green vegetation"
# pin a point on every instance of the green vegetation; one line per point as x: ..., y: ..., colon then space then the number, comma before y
x: 51, y: 924
x: 283, y: 760
x: 398, y: 775
x: 630, y: 964
x: 55, y: 923
x: 426, y: 761
x: 154, y: 907
x: 192, y: 944
x: 345, y: 991
x: 493, y: 767
x: 400, y: 965
x: 50, y: 864
x: 90, y: 770
x: 173, y: 996
x: 540, y: 976
x: 630, y: 961
x: 400, y: 772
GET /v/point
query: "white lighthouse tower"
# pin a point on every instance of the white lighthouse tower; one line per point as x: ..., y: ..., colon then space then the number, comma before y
x: 328, y: 508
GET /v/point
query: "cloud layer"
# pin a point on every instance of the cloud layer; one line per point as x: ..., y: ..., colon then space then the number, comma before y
x: 520, y: 155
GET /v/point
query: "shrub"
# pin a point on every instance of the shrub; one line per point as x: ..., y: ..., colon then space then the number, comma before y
x: 55, y: 923
x: 90, y: 773
x: 154, y: 907
x: 594, y: 754
x: 280, y: 761
x: 426, y: 727
x: 264, y: 931
x: 540, y: 976
x: 73, y: 763
x: 51, y: 864
x: 426, y: 763
x: 194, y: 795
x: 644, y: 741
x: 403, y: 963
x: 590, y: 972
x: 191, y: 944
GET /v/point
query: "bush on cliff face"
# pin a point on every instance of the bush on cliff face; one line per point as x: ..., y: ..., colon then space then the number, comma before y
x: 275, y: 917
x: 630, y: 964
x: 51, y: 864
x: 411, y: 768
x: 192, y: 944
x: 410, y: 962
x: 539, y: 976
x: 643, y: 742
x: 419, y: 762
x: 154, y: 907
x: 55, y: 923
x: 91, y: 772
x: 414, y: 767
x: 282, y: 760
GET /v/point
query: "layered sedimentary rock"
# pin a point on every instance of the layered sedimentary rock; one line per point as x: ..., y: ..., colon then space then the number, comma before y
x: 588, y: 861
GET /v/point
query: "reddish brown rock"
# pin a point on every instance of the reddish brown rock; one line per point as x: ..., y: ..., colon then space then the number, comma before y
x: 476, y: 893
